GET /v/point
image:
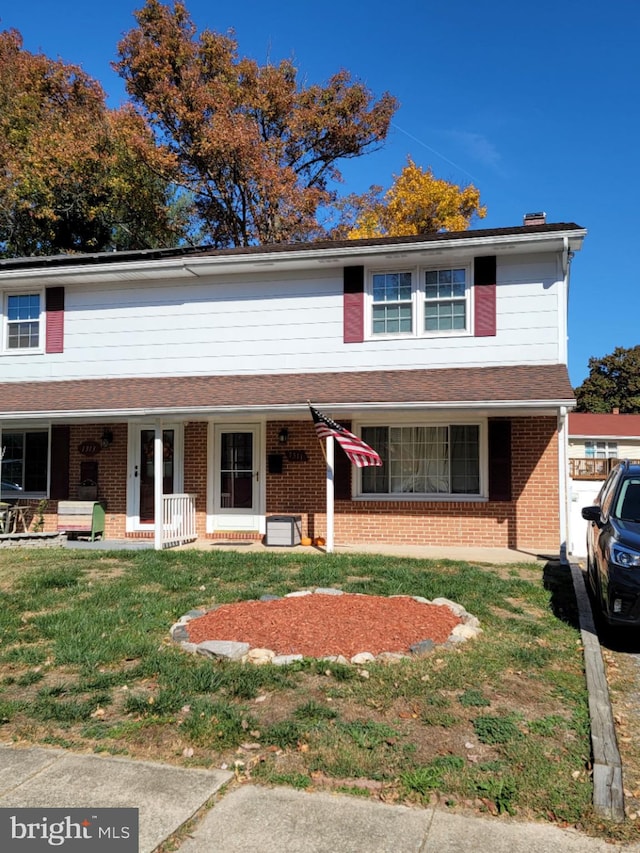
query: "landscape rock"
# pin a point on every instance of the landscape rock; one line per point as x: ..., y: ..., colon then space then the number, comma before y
x: 283, y: 660
x: 363, y: 657
x: 227, y: 649
x: 259, y: 656
x: 424, y: 647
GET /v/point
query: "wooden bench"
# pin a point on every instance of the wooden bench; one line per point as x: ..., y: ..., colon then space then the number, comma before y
x: 85, y: 517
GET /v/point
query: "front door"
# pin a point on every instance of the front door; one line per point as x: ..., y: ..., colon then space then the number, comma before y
x: 142, y: 493
x: 236, y: 484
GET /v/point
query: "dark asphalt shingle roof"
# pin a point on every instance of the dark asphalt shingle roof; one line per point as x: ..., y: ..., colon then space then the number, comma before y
x: 475, y: 386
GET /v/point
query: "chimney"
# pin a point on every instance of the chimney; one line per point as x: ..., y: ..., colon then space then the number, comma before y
x: 535, y: 218
x: 615, y: 411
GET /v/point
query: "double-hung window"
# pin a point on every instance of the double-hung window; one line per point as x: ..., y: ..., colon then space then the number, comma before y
x: 423, y: 460
x: 23, y: 320
x: 420, y: 302
x: 392, y: 312
x: 445, y: 300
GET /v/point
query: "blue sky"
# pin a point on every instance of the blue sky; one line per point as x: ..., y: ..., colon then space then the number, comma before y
x: 535, y: 103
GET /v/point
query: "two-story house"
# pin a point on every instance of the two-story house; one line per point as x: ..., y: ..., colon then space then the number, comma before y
x: 188, y: 371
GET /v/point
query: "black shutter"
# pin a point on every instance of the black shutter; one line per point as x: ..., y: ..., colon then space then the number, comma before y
x: 341, y: 475
x: 59, y: 486
x: 499, y: 460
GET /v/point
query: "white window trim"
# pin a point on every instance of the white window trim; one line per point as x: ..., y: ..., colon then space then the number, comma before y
x: 4, y: 349
x: 481, y: 497
x: 418, y: 302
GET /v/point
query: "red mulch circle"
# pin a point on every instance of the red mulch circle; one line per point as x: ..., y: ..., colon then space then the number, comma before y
x: 321, y: 625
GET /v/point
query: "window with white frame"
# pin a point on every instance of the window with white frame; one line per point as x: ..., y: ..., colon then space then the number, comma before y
x: 424, y: 460
x: 25, y: 462
x: 601, y: 449
x: 420, y: 302
x: 22, y: 321
x: 445, y: 300
x: 392, y: 311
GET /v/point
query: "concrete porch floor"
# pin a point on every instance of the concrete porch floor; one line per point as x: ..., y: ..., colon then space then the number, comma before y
x: 422, y: 552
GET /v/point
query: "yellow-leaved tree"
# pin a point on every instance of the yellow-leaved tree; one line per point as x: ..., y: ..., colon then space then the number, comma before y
x: 416, y: 203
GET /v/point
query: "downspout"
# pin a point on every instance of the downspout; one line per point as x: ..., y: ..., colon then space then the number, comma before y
x: 567, y: 256
x: 563, y: 437
x: 563, y: 490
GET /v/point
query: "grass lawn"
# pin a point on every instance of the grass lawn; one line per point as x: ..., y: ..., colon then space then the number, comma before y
x: 498, y: 724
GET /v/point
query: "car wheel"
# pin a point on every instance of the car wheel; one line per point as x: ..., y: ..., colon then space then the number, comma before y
x: 592, y: 580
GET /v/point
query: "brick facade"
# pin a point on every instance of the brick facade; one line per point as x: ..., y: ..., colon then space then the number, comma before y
x: 529, y: 521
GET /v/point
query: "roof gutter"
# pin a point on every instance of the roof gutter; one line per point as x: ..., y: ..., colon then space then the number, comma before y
x: 195, y: 266
x: 285, y: 410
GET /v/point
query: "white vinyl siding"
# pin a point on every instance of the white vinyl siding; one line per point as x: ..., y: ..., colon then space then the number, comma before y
x: 272, y: 322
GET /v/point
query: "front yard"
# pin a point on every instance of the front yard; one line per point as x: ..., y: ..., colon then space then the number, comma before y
x: 499, y: 724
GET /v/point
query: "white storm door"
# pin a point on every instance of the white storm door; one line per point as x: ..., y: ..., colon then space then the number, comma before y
x: 236, y: 494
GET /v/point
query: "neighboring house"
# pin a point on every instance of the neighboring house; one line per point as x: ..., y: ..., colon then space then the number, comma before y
x: 187, y: 372
x: 596, y: 443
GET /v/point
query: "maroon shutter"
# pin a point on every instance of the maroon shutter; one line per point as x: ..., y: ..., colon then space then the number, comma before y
x: 353, y: 305
x: 59, y: 485
x: 499, y: 460
x: 484, y: 279
x: 55, y: 319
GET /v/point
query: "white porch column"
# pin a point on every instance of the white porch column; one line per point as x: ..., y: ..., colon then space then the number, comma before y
x: 330, y: 492
x: 563, y: 477
x: 158, y: 474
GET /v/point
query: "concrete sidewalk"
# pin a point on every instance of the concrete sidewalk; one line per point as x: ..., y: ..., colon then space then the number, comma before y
x: 272, y: 820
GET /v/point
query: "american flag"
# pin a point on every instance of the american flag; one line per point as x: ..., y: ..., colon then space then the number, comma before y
x: 359, y: 453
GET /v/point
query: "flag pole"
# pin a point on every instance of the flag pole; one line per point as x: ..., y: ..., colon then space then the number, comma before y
x: 330, y: 456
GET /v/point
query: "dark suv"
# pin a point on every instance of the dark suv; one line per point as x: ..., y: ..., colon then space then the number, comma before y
x: 613, y: 546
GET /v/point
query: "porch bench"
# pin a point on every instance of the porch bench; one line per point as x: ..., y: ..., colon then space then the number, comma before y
x: 86, y: 517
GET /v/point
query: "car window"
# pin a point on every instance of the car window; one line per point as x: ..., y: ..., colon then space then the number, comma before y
x: 628, y: 503
x: 606, y: 495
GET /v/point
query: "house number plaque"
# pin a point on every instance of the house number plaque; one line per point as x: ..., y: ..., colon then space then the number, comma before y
x: 296, y: 455
x: 89, y: 448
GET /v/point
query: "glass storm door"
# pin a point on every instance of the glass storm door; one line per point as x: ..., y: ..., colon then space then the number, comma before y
x: 146, y: 471
x: 236, y: 494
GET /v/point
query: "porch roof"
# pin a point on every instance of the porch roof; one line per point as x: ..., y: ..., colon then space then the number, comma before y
x: 286, y: 394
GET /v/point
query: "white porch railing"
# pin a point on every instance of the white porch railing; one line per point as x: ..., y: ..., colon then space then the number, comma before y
x: 178, y: 520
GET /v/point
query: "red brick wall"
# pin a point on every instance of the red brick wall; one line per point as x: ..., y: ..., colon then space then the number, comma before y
x: 195, y: 470
x: 530, y: 520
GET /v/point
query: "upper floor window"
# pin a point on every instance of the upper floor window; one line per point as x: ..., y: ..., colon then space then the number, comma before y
x: 601, y: 449
x: 420, y: 302
x: 23, y: 319
x: 392, y: 303
x: 445, y: 300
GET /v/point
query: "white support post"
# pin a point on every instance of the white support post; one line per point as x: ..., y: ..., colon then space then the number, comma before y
x: 158, y: 473
x: 563, y: 482
x: 330, y: 495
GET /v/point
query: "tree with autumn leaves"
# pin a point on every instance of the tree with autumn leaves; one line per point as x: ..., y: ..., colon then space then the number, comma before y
x: 74, y: 175
x: 254, y: 149
x: 212, y: 148
x: 416, y: 203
